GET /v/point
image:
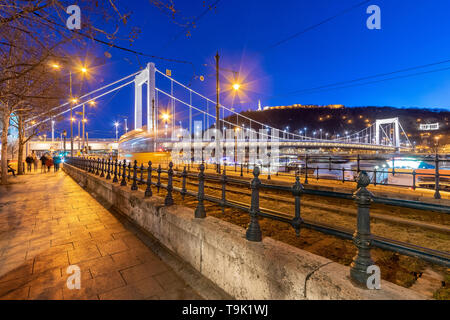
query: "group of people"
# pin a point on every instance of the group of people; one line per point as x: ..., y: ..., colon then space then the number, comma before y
x: 47, y: 162
x: 32, y: 160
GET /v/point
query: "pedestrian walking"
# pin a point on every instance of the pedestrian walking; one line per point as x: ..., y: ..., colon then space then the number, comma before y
x: 29, y: 160
x: 49, y: 163
x: 43, y: 160
x: 56, y: 162
x: 35, y: 161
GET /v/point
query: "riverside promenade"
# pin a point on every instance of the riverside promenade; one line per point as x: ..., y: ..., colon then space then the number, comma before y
x: 48, y: 223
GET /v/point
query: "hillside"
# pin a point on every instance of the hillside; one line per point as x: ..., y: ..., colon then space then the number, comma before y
x: 338, y: 120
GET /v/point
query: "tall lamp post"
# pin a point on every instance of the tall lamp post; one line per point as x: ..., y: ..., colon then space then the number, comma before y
x: 116, y: 124
x: 236, y: 86
x: 64, y: 135
x: 217, y: 112
x: 72, y: 100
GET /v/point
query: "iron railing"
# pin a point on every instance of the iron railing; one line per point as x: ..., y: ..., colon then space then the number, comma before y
x: 319, y: 167
x: 120, y: 172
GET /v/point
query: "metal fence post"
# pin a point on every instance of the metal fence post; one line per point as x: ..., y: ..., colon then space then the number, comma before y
x: 254, y: 231
x: 183, y: 183
x: 223, y: 180
x: 141, y: 179
x: 343, y: 175
x: 134, y: 186
x: 102, y: 173
x: 362, y: 237
x: 306, y: 169
x: 129, y: 172
x: 124, y: 174
x: 108, y: 176
x: 200, y: 210
x: 375, y: 176
x: 437, y: 194
x: 148, y: 191
x: 297, y: 190
x: 97, y: 165
x: 158, y: 183
x: 169, y: 200
x: 242, y: 169
x: 358, y: 160
x: 414, y: 179
x: 115, y: 172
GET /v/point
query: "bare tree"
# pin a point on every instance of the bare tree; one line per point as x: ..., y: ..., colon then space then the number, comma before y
x: 31, y: 34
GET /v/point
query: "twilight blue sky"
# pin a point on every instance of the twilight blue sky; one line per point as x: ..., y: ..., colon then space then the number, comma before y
x: 413, y: 33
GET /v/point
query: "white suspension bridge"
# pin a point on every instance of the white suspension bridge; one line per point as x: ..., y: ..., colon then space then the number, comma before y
x: 171, y: 105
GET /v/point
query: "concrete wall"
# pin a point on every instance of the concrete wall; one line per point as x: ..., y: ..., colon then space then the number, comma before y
x: 218, y: 250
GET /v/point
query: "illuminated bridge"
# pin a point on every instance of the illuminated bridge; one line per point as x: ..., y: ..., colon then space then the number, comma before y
x: 173, y: 106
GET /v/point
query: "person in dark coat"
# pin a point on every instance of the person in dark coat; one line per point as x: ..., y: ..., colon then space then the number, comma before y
x: 43, y: 160
x: 29, y: 160
x: 49, y: 163
x: 56, y: 162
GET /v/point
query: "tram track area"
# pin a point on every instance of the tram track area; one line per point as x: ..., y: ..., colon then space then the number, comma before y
x: 238, y: 197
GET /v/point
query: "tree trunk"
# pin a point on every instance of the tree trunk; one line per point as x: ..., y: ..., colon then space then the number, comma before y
x: 20, y: 170
x: 5, y: 123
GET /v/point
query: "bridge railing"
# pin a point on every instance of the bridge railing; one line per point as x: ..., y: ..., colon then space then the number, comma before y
x: 151, y: 178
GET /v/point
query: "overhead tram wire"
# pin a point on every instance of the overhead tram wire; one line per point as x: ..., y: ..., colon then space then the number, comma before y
x: 366, y: 77
x: 196, y: 19
x: 295, y: 35
x: 381, y: 80
x: 111, y: 45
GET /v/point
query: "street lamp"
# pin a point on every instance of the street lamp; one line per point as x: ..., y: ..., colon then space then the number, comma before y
x: 83, y: 70
x: 236, y: 86
x: 116, y: 124
x: 64, y: 135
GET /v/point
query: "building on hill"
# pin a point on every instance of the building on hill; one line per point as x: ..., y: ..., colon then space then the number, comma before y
x: 309, y: 106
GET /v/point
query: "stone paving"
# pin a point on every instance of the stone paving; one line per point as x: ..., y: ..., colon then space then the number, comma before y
x: 48, y: 222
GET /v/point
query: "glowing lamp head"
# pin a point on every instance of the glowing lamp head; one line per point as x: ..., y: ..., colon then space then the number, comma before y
x: 83, y: 69
x: 236, y: 86
x: 92, y: 103
x: 55, y: 66
x: 165, y: 116
x: 116, y: 124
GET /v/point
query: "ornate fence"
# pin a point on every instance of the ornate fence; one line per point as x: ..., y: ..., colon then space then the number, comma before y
x: 133, y: 175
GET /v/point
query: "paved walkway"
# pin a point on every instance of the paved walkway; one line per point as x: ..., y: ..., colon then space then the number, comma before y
x: 48, y: 222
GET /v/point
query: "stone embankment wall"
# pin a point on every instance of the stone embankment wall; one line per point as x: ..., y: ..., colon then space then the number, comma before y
x: 219, y: 251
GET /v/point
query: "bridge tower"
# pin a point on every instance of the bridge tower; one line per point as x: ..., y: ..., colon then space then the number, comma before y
x: 147, y: 76
x: 396, y: 135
